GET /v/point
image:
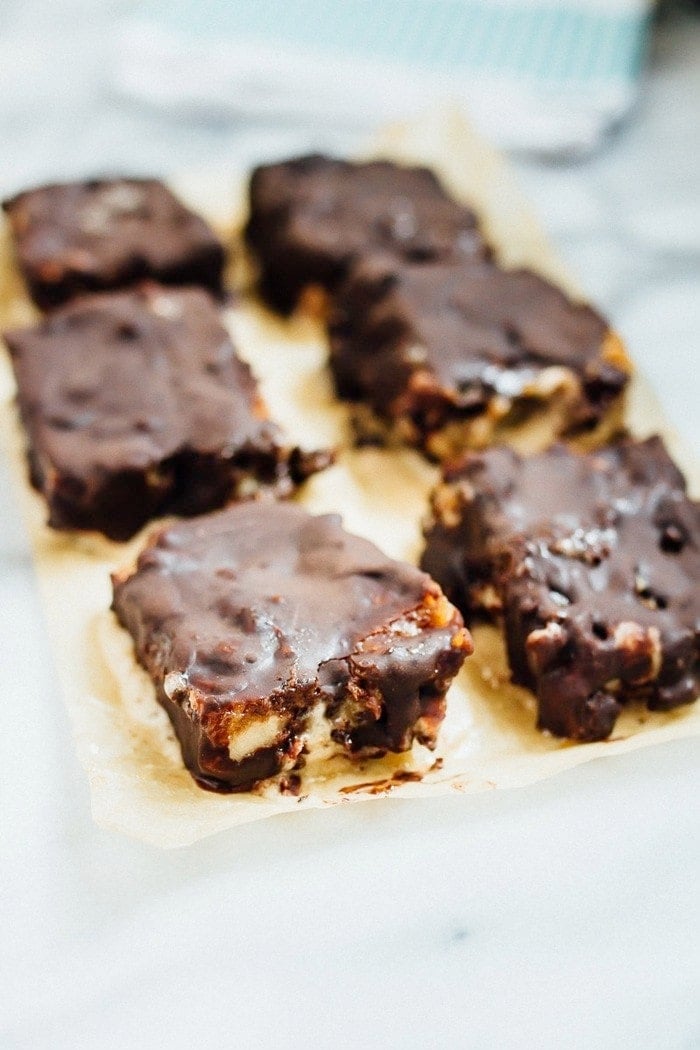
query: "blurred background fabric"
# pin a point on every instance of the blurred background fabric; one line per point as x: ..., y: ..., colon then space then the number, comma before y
x: 551, y: 76
x: 535, y: 74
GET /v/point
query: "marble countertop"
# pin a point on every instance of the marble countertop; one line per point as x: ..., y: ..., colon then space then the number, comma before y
x: 561, y: 915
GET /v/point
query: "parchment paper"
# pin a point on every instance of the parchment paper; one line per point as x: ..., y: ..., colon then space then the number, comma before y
x: 123, y: 738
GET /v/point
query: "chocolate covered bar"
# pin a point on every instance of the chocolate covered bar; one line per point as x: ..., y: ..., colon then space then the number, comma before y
x: 136, y: 404
x: 450, y: 354
x: 271, y: 634
x: 78, y: 237
x: 592, y: 563
x: 311, y: 216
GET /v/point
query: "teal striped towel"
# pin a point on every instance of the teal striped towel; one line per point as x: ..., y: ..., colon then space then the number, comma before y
x: 549, y: 76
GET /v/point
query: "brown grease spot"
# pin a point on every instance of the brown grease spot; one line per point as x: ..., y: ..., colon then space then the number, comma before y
x: 377, y: 787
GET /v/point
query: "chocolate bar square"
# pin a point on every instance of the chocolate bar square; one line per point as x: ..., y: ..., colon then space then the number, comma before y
x: 312, y: 216
x: 136, y: 404
x: 270, y: 633
x: 77, y: 237
x: 448, y: 355
x: 592, y: 563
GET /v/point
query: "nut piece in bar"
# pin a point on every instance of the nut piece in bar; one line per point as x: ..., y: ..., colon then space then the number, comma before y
x: 450, y: 355
x: 135, y: 404
x: 260, y: 621
x: 78, y: 237
x: 311, y: 216
x: 592, y: 561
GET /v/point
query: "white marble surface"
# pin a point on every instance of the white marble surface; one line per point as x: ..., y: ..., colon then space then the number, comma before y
x: 562, y: 915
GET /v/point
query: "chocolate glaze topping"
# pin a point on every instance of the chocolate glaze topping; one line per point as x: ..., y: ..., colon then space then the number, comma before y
x: 78, y: 237
x: 437, y: 342
x: 593, y: 561
x: 136, y: 404
x: 486, y: 499
x: 311, y: 216
x: 264, y: 610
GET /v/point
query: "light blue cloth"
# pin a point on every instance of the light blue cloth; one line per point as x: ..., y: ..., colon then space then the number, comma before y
x: 564, y: 42
x: 544, y: 76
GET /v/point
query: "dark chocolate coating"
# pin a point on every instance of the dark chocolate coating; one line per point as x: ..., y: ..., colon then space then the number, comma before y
x: 594, y: 561
x: 78, y: 237
x: 435, y: 343
x: 136, y: 404
x: 311, y: 216
x: 262, y: 610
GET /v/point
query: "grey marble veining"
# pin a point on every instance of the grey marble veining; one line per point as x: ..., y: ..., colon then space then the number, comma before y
x: 564, y: 915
